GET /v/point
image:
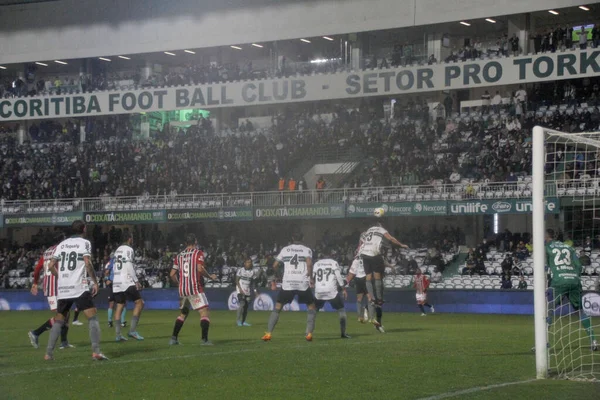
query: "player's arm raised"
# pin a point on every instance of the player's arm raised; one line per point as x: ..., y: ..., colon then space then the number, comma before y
x: 89, y: 267
x: 395, y: 241
x: 36, y: 275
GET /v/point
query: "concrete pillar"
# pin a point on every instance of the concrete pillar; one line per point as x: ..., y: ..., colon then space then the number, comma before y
x: 520, y: 25
x: 435, y: 46
x: 147, y: 70
x: 22, y: 132
x: 82, y: 133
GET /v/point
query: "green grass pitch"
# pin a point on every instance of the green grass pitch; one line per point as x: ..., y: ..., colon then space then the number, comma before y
x: 418, y: 357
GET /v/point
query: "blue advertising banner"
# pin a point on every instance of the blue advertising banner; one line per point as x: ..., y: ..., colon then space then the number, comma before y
x: 446, y: 301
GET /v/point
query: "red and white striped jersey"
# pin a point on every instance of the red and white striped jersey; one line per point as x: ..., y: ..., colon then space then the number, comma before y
x: 421, y: 283
x: 49, y: 282
x: 186, y: 263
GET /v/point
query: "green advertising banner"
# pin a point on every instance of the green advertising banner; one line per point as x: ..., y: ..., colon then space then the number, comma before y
x: 501, y: 206
x: 47, y: 219
x: 215, y: 214
x: 314, y: 211
x: 401, y: 209
x: 126, y: 217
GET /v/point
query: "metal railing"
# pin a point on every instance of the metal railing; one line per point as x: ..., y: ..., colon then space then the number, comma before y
x: 458, y: 191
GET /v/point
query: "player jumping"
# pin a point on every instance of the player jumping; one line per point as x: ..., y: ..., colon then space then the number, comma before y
x: 188, y: 270
x: 329, y: 287
x: 49, y: 285
x: 421, y: 284
x: 297, y: 273
x: 72, y: 264
x: 244, y: 281
x: 566, y: 280
x: 126, y: 287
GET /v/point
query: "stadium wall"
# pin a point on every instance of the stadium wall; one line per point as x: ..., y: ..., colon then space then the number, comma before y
x: 78, y: 29
x: 445, y: 301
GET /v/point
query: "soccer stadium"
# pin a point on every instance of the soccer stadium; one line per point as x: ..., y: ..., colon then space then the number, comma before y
x: 300, y: 199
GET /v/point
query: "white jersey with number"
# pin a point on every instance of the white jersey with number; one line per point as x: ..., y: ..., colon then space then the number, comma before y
x: 246, y: 276
x: 72, y: 275
x: 357, y: 268
x: 123, y: 269
x: 328, y: 279
x: 295, y: 268
x: 372, y: 241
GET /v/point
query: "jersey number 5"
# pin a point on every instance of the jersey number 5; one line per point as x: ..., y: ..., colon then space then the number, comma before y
x: 119, y: 262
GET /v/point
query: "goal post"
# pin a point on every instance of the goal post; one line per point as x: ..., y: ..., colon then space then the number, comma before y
x: 566, y: 165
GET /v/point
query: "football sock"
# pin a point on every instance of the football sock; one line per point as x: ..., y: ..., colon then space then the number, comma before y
x: 123, y: 315
x: 44, y: 327
x: 94, y: 327
x: 360, y: 309
x: 134, y: 322
x: 427, y: 305
x: 63, y: 333
x: 246, y: 305
x: 422, y: 308
x: 54, y: 334
x: 378, y: 289
x: 204, y: 324
x: 118, y: 329
x: 273, y: 318
x: 178, y: 325
x: 379, y: 313
x: 110, y: 314
x: 370, y: 310
x: 240, y: 310
x: 585, y: 321
x: 76, y: 316
x: 310, y: 321
x: 342, y: 314
x: 370, y: 290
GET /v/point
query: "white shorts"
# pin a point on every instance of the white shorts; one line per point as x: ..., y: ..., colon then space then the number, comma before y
x: 422, y: 297
x: 195, y: 302
x: 52, y: 303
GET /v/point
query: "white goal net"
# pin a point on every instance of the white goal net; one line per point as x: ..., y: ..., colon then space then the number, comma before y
x: 567, y: 165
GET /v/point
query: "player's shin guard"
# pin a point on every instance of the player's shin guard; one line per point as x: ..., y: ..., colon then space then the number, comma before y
x: 378, y: 289
x: 342, y: 314
x: 273, y: 318
x: 64, y: 332
x: 110, y: 315
x: 44, y: 327
x: 94, y: 327
x: 178, y: 325
x: 54, y: 334
x: 311, y: 320
x: 204, y: 324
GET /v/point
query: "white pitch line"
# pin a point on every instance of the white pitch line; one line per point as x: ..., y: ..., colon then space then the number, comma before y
x: 475, y: 390
x: 200, y: 354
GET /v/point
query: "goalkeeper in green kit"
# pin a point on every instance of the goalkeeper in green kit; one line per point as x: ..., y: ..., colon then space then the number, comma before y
x: 566, y: 280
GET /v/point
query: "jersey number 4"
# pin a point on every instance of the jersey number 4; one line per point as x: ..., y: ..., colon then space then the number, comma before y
x: 561, y: 257
x: 294, y: 261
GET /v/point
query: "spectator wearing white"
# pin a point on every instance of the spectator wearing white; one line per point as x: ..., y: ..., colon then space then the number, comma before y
x: 485, y: 102
x: 436, y: 277
x: 455, y: 177
x: 521, y: 95
x: 496, y: 102
x: 583, y: 39
x: 513, y: 124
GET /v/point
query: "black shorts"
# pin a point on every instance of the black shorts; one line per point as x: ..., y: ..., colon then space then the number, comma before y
x: 111, y: 295
x: 373, y: 264
x: 337, y: 302
x: 243, y: 298
x: 83, y: 302
x: 131, y: 294
x: 304, y: 296
x: 360, y: 284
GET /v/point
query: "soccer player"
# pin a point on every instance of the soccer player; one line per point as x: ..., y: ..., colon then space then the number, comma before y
x: 126, y: 287
x: 72, y: 265
x: 566, y: 279
x: 244, y: 282
x: 49, y: 285
x: 421, y: 284
x: 108, y: 280
x: 188, y: 272
x: 297, y: 272
x: 374, y: 264
x: 357, y: 272
x: 329, y: 287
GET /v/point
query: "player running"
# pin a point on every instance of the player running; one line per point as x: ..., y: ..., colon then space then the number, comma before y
x: 108, y: 281
x: 188, y: 272
x: 421, y: 284
x: 566, y: 280
x: 49, y: 285
x: 126, y: 287
x: 374, y: 264
x: 297, y: 273
x: 72, y: 265
x: 244, y: 282
x: 329, y: 287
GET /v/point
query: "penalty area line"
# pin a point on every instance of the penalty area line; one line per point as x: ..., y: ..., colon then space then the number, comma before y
x: 476, y: 390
